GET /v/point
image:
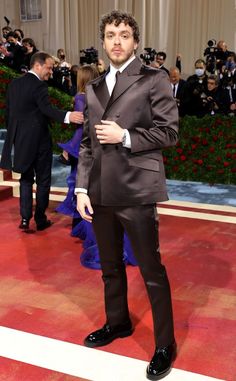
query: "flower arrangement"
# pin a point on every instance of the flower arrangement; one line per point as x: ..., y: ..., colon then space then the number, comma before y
x: 206, y: 150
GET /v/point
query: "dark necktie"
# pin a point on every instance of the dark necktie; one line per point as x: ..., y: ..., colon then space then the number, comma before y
x: 174, y: 91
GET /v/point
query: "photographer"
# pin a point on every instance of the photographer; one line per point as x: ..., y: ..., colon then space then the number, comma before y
x: 228, y: 89
x: 195, y: 90
x: 212, y: 101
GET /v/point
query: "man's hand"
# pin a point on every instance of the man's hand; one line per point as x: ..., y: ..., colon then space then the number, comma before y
x: 109, y: 132
x: 76, y: 117
x: 84, y: 206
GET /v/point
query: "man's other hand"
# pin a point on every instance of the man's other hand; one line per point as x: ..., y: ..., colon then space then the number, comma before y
x: 84, y: 206
x: 76, y: 117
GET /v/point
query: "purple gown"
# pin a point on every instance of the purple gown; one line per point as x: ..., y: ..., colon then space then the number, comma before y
x: 81, y: 228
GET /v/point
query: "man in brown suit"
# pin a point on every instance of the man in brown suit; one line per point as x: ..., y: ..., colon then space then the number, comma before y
x: 121, y: 177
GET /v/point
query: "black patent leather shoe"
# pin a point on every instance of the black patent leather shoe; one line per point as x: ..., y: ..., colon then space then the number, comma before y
x: 44, y: 225
x: 107, y: 334
x: 160, y: 365
x: 24, y: 224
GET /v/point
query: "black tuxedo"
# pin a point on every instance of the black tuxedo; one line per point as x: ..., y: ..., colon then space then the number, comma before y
x: 28, y: 111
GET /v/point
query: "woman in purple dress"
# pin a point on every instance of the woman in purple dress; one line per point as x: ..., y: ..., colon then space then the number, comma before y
x: 81, y: 228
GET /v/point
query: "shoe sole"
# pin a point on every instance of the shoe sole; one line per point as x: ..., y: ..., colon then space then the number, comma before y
x: 159, y: 376
x: 121, y: 335
x: 44, y: 227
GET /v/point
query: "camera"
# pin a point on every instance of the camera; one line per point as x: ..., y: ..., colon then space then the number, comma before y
x: 211, y: 53
x: 88, y: 56
x: 61, y: 71
x: 148, y: 55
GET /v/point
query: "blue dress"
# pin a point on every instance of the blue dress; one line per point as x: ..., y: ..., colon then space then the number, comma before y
x: 81, y: 228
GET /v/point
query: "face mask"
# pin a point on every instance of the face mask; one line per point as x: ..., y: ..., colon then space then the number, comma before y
x: 230, y: 65
x: 199, y: 72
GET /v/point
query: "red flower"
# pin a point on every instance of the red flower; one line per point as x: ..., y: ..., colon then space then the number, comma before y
x: 183, y: 157
x: 194, y: 146
x: 226, y: 163
x: 233, y: 170
x: 179, y: 150
x: 204, y: 142
x: 220, y: 171
x: 200, y: 161
x: 228, y: 155
x: 165, y: 159
x: 215, y: 138
x: 212, y: 149
x: 228, y: 146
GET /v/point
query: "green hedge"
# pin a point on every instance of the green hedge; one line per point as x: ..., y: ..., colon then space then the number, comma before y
x: 206, y: 150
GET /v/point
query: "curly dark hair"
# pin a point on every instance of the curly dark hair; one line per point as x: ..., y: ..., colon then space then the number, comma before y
x: 118, y: 17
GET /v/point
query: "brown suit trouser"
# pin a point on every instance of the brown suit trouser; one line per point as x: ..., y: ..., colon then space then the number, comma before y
x: 141, y: 225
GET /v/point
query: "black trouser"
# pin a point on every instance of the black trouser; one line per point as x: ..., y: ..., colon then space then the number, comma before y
x: 141, y: 226
x: 40, y: 170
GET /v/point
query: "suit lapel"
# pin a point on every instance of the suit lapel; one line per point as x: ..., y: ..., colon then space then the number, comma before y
x: 101, y: 92
x: 127, y: 78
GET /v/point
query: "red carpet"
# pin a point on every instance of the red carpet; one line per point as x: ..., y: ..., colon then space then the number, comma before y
x: 44, y: 290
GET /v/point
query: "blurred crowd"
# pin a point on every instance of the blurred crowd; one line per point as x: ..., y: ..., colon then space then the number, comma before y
x: 211, y: 89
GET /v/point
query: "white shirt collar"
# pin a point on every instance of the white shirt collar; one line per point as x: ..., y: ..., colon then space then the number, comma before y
x: 113, y: 69
x: 36, y: 75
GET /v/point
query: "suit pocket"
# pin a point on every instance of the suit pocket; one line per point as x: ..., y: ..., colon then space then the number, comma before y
x: 144, y: 163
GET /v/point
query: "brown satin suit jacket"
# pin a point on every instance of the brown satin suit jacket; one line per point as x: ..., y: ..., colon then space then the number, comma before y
x: 141, y: 102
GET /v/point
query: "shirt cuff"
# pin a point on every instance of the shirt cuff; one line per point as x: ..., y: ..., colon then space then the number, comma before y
x: 67, y: 117
x: 81, y: 190
x: 127, y: 140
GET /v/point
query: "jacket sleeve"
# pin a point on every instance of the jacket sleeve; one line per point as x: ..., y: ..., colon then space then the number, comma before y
x: 44, y: 104
x: 85, y: 155
x: 164, y: 130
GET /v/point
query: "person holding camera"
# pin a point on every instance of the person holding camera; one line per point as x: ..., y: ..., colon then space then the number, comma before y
x: 212, y: 101
x: 195, y: 90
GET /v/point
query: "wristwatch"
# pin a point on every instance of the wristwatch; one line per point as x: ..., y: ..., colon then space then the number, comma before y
x: 124, y: 139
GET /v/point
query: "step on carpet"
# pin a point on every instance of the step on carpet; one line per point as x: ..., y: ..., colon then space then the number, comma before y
x: 45, y: 291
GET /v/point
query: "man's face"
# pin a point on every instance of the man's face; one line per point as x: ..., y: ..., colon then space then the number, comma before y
x: 45, y: 71
x: 200, y: 65
x: 119, y: 43
x: 28, y: 47
x: 174, y: 77
x: 211, y: 84
x: 160, y: 59
x: 12, y: 40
